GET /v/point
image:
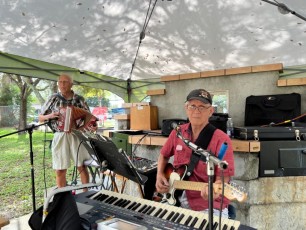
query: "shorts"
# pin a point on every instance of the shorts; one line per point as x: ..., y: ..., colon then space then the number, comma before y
x: 67, y: 147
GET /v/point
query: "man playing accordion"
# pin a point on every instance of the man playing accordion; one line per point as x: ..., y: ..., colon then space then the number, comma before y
x: 66, y: 146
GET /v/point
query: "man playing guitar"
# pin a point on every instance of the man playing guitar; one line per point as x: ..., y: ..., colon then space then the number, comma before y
x: 198, y: 107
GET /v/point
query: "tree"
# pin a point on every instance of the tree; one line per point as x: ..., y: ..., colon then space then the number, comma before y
x: 94, y: 97
x: 26, y: 86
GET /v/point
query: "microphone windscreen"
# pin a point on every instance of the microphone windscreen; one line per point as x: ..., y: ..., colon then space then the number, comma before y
x: 222, y: 151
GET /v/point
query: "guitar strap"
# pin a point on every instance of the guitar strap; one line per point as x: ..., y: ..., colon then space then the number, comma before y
x: 203, y: 141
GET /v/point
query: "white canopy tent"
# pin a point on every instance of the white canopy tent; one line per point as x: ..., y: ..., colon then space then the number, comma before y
x: 102, y: 38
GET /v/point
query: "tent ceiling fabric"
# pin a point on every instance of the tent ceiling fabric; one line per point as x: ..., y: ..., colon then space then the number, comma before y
x: 130, y: 91
x: 182, y: 36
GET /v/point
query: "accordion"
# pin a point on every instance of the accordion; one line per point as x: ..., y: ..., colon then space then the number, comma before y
x: 72, y: 117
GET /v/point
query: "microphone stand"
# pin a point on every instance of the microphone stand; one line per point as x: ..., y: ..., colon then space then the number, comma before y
x: 211, y: 161
x: 29, y: 129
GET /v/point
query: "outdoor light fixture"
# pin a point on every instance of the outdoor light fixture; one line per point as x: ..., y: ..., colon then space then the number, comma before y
x: 283, y: 9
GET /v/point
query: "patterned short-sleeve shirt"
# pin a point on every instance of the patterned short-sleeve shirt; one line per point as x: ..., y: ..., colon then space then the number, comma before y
x: 56, y: 100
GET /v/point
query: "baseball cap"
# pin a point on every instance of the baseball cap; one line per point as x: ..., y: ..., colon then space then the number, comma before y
x: 201, y: 95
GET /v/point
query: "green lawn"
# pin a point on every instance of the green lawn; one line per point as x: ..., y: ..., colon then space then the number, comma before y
x: 15, y: 171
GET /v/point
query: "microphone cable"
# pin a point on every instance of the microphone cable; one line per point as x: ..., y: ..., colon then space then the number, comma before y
x: 222, y: 197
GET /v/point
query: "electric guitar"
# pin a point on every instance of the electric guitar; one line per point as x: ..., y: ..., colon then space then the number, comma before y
x: 175, y: 177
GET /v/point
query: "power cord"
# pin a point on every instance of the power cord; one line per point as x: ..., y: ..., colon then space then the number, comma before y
x: 133, y: 154
x: 44, y: 159
x: 284, y: 122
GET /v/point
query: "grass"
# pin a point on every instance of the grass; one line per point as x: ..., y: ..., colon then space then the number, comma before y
x: 15, y: 171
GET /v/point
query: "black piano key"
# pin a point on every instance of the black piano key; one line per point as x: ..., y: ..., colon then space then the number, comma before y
x: 174, y: 217
x: 194, y: 221
x: 188, y: 220
x: 113, y: 200
x: 214, y: 227
x: 180, y: 218
x: 146, y: 209
x: 98, y: 197
x: 142, y: 208
x: 170, y: 215
x: 131, y: 205
x: 101, y: 197
x: 127, y: 202
x: 109, y: 199
x: 163, y: 213
x: 151, y: 210
x: 118, y: 202
x: 232, y: 228
x: 224, y: 227
x: 203, y: 224
x: 157, y: 212
x: 136, y: 206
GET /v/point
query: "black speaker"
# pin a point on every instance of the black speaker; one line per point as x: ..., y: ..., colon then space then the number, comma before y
x: 170, y: 124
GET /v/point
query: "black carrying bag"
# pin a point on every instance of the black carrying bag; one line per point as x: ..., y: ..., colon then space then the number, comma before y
x: 62, y: 215
x: 267, y: 109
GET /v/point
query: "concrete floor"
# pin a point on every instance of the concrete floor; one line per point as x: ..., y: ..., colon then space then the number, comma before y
x: 20, y: 223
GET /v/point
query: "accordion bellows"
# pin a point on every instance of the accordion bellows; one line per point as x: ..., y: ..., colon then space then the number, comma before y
x: 72, y: 117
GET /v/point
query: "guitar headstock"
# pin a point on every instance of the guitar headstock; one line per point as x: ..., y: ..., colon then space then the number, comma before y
x: 233, y: 191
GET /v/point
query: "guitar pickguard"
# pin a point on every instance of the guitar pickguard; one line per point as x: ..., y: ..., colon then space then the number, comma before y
x: 176, y: 174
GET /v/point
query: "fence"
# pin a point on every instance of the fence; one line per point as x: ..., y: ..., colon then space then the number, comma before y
x: 9, y: 116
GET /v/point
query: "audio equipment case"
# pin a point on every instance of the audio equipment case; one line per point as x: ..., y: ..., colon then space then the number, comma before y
x: 269, y: 133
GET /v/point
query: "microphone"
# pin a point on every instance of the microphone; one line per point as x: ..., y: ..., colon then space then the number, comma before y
x: 175, y: 126
x: 222, y: 150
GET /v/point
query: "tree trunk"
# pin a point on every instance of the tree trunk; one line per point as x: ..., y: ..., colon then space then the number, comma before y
x: 23, y: 114
x: 54, y: 87
x: 23, y: 107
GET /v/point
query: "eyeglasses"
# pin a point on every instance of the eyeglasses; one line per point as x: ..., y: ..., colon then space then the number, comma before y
x: 194, y: 108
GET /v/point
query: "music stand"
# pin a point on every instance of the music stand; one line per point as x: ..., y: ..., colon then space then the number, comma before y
x: 117, y: 160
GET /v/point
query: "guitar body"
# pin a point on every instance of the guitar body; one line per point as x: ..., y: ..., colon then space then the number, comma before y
x: 174, y: 174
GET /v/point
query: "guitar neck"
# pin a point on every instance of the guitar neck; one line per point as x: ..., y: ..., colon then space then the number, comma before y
x: 188, y: 185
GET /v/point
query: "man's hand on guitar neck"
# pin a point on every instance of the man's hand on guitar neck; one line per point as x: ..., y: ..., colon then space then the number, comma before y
x: 205, y: 191
x: 216, y: 193
x: 162, y: 185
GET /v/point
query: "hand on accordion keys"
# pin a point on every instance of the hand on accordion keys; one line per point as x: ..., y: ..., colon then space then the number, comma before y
x: 72, y: 117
